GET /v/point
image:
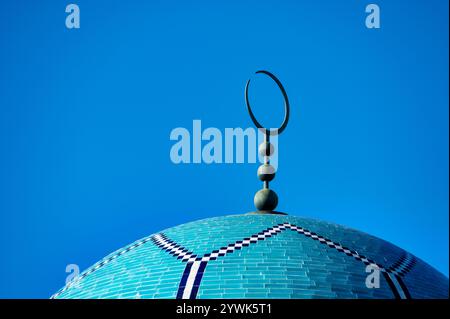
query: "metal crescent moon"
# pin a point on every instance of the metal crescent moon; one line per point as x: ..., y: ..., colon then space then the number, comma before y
x: 286, y: 106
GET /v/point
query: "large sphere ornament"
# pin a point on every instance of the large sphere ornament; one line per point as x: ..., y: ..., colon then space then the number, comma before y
x: 266, y: 172
x: 266, y: 200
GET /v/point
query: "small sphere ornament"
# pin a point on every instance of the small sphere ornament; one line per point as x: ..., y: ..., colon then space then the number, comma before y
x: 266, y: 172
x: 265, y: 149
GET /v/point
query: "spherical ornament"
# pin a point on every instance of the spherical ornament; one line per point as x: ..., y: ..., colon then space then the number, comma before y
x: 266, y: 199
x: 266, y: 149
x: 266, y: 172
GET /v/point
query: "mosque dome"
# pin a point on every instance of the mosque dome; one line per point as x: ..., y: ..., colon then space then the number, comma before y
x: 264, y: 254
x: 258, y: 256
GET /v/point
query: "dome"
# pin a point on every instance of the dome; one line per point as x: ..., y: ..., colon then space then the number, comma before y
x: 258, y: 256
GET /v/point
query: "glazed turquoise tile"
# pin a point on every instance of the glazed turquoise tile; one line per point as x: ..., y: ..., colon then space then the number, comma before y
x: 257, y: 256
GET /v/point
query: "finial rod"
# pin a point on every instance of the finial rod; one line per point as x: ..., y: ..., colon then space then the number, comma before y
x: 266, y: 200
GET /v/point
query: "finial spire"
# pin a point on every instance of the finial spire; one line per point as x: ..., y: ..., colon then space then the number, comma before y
x: 266, y: 200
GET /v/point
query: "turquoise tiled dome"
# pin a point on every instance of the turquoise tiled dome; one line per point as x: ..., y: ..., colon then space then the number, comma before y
x: 258, y: 256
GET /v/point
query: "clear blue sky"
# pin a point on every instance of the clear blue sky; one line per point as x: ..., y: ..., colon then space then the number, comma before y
x: 85, y: 118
